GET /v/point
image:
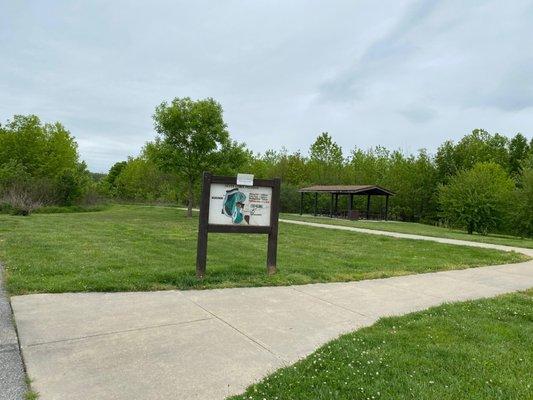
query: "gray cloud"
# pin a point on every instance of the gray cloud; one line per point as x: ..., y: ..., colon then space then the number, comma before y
x: 419, y: 114
x: 404, y: 74
x: 514, y: 92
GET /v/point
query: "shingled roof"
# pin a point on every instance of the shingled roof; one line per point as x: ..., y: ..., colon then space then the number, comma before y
x: 348, y: 189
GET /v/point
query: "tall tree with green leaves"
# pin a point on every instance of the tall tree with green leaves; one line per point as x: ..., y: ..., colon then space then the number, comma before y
x: 523, y: 203
x: 477, y: 147
x: 326, y: 159
x: 518, y: 152
x: 193, y: 138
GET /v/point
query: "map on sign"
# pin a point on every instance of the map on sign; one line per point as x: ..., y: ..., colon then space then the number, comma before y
x: 239, y: 205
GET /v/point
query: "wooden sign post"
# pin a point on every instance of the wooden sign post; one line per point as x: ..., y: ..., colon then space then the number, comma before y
x: 238, y: 205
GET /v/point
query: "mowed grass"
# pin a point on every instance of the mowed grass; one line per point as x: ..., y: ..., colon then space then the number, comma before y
x: 418, y: 229
x: 129, y: 248
x: 475, y: 350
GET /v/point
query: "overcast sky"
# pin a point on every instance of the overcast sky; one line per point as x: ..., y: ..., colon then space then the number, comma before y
x: 403, y: 74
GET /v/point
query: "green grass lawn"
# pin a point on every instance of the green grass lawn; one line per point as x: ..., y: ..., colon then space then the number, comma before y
x: 475, y: 350
x: 127, y: 248
x: 418, y: 229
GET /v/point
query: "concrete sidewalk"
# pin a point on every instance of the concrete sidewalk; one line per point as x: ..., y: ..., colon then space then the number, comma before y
x: 12, y: 375
x: 213, y: 343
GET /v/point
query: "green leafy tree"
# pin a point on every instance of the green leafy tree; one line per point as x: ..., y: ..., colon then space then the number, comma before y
x: 477, y: 199
x: 193, y: 138
x: 44, y: 150
x: 446, y: 162
x: 518, y: 152
x: 477, y: 147
x: 41, y: 160
x: 114, y: 172
x: 523, y: 204
x: 71, y: 184
x: 141, y: 180
x: 325, y: 160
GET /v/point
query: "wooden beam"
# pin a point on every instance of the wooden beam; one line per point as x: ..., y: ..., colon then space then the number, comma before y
x: 386, y: 207
x: 367, y: 206
x: 316, y: 204
x: 272, y: 247
x: 331, y: 206
x: 201, y: 249
x: 301, y: 202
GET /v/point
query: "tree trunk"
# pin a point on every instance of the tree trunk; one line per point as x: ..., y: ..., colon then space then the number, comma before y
x: 190, y: 198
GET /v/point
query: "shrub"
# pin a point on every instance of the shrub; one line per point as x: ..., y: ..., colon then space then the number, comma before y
x: 20, y: 200
x: 477, y: 199
x: 522, y: 220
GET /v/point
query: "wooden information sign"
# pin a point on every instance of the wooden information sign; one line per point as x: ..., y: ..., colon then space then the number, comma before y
x: 239, y: 204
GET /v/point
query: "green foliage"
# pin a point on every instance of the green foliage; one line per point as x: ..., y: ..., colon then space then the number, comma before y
x: 518, y: 153
x: 415, y: 179
x: 193, y: 138
x: 112, y: 175
x: 326, y: 160
x: 39, y: 163
x: 481, y: 146
x: 44, y: 150
x: 523, y: 204
x: 141, y: 180
x: 71, y: 184
x: 477, y: 199
x: 289, y: 198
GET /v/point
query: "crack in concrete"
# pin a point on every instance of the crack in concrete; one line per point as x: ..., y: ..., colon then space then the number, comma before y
x: 332, y: 304
x: 256, y: 341
x: 117, y: 332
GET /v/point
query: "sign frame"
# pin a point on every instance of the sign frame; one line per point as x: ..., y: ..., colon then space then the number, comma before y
x: 204, y: 227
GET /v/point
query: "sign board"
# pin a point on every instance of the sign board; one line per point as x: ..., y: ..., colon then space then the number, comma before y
x: 239, y: 205
x: 245, y: 179
x: 231, y: 207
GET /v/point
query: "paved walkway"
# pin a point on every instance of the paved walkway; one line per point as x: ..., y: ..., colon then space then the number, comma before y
x: 12, y: 376
x: 459, y: 242
x: 213, y: 343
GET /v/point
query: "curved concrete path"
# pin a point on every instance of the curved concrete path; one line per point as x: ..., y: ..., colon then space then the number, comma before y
x: 213, y: 343
x: 528, y: 252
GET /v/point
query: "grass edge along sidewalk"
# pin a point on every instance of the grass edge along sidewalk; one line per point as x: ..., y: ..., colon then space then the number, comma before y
x: 478, y: 349
x: 130, y: 248
x: 414, y: 228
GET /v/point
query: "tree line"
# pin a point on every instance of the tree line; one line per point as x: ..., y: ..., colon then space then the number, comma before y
x: 481, y: 183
